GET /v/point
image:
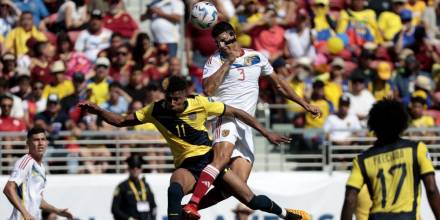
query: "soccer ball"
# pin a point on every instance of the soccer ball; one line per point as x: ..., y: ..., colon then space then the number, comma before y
x: 204, y: 15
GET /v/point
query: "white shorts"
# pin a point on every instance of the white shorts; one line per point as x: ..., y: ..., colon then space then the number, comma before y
x: 236, y: 132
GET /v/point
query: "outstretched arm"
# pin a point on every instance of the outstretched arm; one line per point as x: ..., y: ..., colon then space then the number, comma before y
x: 110, y: 117
x: 282, y: 87
x: 50, y: 208
x: 432, y: 193
x: 349, y: 203
x: 251, y: 121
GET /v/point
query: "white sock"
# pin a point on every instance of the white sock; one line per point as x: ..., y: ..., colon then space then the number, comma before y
x: 283, y: 214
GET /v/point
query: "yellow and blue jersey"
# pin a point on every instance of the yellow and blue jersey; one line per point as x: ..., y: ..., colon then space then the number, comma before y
x: 185, y: 132
x: 392, y: 174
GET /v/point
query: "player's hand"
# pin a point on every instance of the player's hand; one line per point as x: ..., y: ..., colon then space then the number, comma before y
x: 65, y: 213
x: 277, y: 139
x: 89, y: 107
x: 27, y: 216
x: 315, y: 111
x: 231, y: 54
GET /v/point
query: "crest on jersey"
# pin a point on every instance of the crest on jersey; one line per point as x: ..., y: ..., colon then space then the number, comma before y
x: 192, y: 116
x: 251, y: 60
x: 225, y: 133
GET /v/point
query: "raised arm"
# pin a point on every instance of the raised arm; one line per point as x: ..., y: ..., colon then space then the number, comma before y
x: 50, y: 208
x: 110, y: 117
x: 10, y: 192
x: 251, y: 121
x: 287, y: 92
x: 432, y: 193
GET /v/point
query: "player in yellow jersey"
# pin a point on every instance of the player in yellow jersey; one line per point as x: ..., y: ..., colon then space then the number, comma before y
x: 181, y: 120
x: 392, y: 169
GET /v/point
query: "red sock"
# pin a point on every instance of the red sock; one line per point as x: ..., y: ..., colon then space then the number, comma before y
x: 206, y: 178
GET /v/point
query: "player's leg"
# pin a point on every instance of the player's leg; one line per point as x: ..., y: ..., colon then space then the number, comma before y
x: 181, y: 183
x: 225, y: 136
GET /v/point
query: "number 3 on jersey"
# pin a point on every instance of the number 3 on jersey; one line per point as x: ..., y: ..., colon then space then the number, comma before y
x: 242, y: 75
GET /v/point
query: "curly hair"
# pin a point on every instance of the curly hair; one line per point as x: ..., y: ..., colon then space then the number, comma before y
x: 388, y: 119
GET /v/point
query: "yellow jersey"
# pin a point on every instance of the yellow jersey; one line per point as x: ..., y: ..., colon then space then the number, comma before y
x: 326, y: 109
x: 100, y: 92
x: 61, y: 90
x: 425, y: 121
x: 392, y: 174
x: 185, y: 132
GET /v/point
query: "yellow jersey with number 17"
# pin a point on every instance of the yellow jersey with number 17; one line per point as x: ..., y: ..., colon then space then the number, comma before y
x: 184, y: 132
x: 392, y: 174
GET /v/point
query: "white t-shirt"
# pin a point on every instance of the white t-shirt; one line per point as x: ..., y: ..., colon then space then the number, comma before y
x: 362, y: 103
x: 17, y: 107
x: 163, y: 30
x: 76, y: 13
x: 91, y: 45
x: 240, y: 87
x: 334, y: 122
x: 300, y: 45
x: 30, y: 178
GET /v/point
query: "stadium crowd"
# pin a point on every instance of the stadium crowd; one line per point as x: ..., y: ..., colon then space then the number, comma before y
x: 340, y: 55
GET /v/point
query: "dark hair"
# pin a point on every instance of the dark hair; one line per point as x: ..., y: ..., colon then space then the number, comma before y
x: 220, y: 28
x: 63, y: 37
x: 152, y: 87
x: 135, y: 160
x: 35, y: 130
x: 38, y: 48
x: 418, y: 99
x: 125, y: 45
x: 23, y: 78
x: 388, y: 119
x: 318, y: 84
x: 174, y: 84
x: 115, y: 85
x: 4, y: 83
x: 138, y: 49
x: 116, y: 34
x: 27, y: 12
x: 6, y: 97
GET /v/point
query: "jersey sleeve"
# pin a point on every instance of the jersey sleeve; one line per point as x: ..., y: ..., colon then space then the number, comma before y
x: 144, y: 114
x: 211, y: 66
x: 21, y: 170
x: 356, y: 180
x: 424, y: 159
x: 212, y: 108
x: 266, y: 68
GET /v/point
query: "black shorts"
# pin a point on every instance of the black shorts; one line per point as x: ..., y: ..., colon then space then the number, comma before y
x: 196, y: 164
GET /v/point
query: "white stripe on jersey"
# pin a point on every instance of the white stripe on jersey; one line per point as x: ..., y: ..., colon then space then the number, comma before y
x: 240, y: 87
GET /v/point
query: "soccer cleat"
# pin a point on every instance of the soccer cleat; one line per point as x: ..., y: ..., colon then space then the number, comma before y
x: 296, y: 214
x: 191, y: 212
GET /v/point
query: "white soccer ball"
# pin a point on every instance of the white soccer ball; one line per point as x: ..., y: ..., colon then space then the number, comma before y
x: 204, y: 15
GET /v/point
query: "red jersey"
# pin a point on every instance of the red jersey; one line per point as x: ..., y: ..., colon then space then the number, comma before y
x: 11, y: 124
x: 121, y: 23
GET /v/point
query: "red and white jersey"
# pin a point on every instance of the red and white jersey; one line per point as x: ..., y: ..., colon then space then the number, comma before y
x: 30, y: 178
x: 240, y: 87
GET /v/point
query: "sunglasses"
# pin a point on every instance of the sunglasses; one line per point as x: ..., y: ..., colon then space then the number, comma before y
x: 6, y: 106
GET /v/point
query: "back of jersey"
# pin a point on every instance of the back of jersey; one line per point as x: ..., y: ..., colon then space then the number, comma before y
x: 392, y: 174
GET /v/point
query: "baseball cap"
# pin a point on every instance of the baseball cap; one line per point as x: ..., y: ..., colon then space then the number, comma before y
x: 423, y: 82
x: 135, y: 161
x: 52, y: 98
x: 102, y: 61
x: 384, y: 70
x: 338, y: 62
x: 324, y: 2
x: 78, y: 77
x: 57, y: 67
x: 8, y: 56
x: 405, y: 15
x: 405, y: 53
x: 344, y: 100
x: 96, y: 13
x: 435, y: 67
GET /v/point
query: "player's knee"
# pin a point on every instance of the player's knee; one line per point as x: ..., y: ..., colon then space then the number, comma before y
x: 175, y: 191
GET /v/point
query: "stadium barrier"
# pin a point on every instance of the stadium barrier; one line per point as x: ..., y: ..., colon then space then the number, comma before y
x: 89, y: 196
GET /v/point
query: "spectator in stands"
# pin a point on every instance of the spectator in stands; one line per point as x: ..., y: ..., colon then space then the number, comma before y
x: 300, y: 81
x: 60, y: 86
x: 154, y: 93
x: 359, y: 24
x: 133, y: 198
x: 17, y: 106
x: 7, y: 121
x: 116, y: 41
x: 333, y: 88
x: 122, y: 65
x: 417, y: 8
x: 69, y: 102
x: 37, y: 9
x: 270, y: 40
x: 318, y: 99
x: 299, y: 40
x: 15, y: 41
x: 165, y: 18
x: 118, y: 100
x: 135, y: 87
x: 95, y: 38
x: 23, y: 88
x: 382, y: 86
x: 34, y: 104
x: 119, y: 21
x: 389, y: 21
x: 40, y: 62
x: 407, y: 73
x: 72, y: 15
x: 361, y: 100
x: 53, y: 119
x: 242, y: 212
x: 197, y: 53
x: 9, y: 66
x: 364, y: 64
x: 245, y: 21
x: 75, y: 61
x: 99, y: 83
x: 159, y: 69
x: 418, y: 118
x: 9, y: 14
x: 342, y: 120
x: 143, y: 51
x: 409, y: 33
x: 322, y: 21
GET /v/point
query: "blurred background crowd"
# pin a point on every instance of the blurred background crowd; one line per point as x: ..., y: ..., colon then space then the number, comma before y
x: 341, y: 55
